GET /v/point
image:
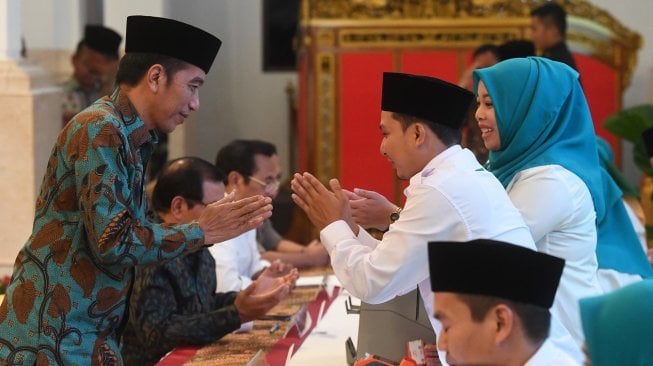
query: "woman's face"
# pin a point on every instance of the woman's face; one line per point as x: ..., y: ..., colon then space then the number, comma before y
x: 486, y: 119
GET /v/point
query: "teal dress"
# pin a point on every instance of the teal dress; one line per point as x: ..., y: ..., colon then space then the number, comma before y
x: 543, y: 119
x: 71, y: 283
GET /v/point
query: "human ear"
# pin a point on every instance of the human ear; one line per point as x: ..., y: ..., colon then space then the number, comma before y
x: 155, y: 76
x: 234, y: 177
x: 178, y: 206
x: 504, y: 318
x: 419, y: 133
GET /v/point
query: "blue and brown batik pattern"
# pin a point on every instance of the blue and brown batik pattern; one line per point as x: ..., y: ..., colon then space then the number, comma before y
x: 67, y: 300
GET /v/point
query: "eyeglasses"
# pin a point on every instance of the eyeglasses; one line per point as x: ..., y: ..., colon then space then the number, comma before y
x: 269, y: 187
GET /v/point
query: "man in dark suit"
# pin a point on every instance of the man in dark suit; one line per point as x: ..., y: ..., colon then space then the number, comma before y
x: 548, y: 31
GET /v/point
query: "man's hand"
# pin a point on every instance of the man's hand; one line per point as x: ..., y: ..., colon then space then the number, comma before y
x: 321, y: 205
x: 277, y: 269
x: 370, y: 209
x: 262, y: 295
x: 319, y: 256
x: 228, y: 218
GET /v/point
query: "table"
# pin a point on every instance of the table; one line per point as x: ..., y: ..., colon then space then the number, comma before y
x: 323, y: 337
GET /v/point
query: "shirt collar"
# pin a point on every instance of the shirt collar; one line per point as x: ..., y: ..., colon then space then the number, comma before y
x: 138, y: 133
x: 543, y: 354
x: 432, y: 165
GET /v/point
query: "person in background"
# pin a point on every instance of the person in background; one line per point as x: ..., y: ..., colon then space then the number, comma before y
x: 67, y: 301
x: 548, y: 33
x: 490, y: 316
x: 95, y: 63
x: 515, y: 49
x: 174, y: 304
x: 619, y: 326
x: 483, y: 56
x: 253, y: 167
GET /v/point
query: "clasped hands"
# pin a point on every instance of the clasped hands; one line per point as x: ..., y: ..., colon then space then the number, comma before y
x: 323, y: 206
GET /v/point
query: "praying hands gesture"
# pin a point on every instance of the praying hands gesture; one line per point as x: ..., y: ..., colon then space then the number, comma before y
x: 228, y: 218
x: 321, y: 205
x: 370, y: 209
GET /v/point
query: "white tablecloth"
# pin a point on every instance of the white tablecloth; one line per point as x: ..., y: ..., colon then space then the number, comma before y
x: 325, y: 346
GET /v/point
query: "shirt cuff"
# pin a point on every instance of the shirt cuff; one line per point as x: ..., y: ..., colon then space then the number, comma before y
x: 334, y: 233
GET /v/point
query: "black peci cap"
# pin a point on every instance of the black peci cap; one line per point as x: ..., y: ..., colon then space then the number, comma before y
x: 495, y: 268
x: 102, y: 39
x: 425, y: 97
x: 171, y: 38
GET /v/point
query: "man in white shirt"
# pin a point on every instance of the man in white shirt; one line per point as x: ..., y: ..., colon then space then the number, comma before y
x: 493, y: 300
x: 252, y: 168
x: 450, y: 196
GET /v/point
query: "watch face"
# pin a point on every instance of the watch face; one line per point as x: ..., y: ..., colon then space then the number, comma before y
x: 394, y: 216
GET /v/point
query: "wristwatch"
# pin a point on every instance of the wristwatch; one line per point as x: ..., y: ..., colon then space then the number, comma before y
x: 394, y: 216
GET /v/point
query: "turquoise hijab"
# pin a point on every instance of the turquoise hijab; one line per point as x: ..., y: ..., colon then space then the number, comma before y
x: 618, y: 326
x: 543, y: 119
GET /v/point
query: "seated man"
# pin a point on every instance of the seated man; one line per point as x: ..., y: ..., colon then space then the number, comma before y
x: 618, y: 326
x: 175, y: 304
x: 252, y: 167
x: 493, y: 301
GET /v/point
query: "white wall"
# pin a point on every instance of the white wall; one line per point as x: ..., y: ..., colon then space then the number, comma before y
x: 51, y: 24
x: 238, y: 100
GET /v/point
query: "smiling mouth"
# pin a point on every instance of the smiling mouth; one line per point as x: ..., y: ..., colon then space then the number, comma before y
x: 486, y: 131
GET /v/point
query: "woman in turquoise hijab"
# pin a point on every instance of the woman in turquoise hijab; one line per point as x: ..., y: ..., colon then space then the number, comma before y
x: 619, y: 326
x: 536, y: 123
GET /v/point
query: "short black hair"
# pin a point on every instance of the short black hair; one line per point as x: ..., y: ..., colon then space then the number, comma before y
x: 183, y: 177
x: 447, y: 134
x: 134, y: 65
x: 535, y: 320
x: 515, y: 49
x: 552, y: 13
x: 488, y: 47
x: 238, y: 156
x: 82, y: 44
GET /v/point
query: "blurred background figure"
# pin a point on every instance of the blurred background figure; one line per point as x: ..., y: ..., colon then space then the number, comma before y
x: 549, y: 31
x: 95, y: 63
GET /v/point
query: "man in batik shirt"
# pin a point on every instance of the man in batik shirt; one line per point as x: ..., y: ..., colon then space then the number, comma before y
x: 72, y: 279
x: 95, y: 62
x: 174, y: 304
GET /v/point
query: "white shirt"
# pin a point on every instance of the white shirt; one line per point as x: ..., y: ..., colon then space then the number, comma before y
x: 236, y: 261
x: 549, y: 355
x: 558, y: 209
x: 452, y: 199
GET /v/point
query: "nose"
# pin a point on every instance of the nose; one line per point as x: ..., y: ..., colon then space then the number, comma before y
x: 382, y: 148
x: 194, y: 102
x: 442, y: 342
x: 479, y: 114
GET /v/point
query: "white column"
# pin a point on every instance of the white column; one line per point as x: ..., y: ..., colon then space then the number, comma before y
x: 30, y: 110
x: 10, y: 29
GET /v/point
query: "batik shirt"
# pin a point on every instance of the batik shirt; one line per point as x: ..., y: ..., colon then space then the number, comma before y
x: 71, y: 281
x: 174, y: 304
x: 75, y: 99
